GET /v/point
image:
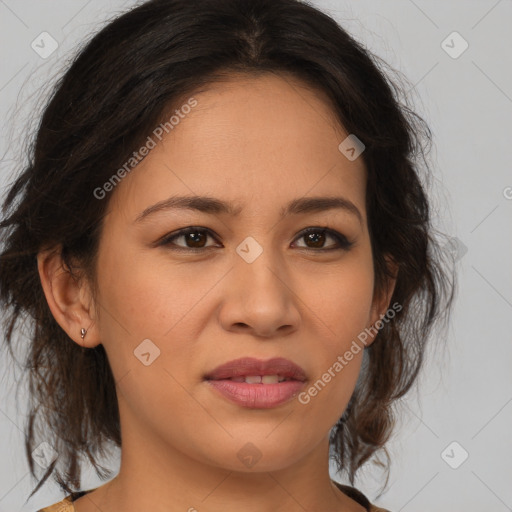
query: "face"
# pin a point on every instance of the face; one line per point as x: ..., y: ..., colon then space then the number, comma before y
x: 245, y: 282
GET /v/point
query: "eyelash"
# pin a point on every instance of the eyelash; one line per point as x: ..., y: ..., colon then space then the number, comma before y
x: 343, y: 242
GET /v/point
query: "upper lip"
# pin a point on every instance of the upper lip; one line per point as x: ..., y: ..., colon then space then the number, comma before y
x: 250, y: 366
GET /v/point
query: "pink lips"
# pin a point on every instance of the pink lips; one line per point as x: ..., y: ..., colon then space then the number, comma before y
x: 258, y: 395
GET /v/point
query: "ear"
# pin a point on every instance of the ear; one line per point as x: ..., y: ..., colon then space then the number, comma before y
x: 69, y: 297
x: 381, y: 301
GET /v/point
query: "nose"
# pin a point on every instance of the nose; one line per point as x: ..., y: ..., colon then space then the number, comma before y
x: 258, y: 298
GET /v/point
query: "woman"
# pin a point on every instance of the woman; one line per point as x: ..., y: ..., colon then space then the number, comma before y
x: 225, y: 248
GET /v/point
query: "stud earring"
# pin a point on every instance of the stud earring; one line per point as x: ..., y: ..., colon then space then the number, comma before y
x: 83, y: 332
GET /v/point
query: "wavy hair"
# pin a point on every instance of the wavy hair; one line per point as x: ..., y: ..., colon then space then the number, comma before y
x: 114, y: 92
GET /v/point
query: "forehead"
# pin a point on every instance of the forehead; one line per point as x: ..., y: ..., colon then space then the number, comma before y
x: 259, y: 140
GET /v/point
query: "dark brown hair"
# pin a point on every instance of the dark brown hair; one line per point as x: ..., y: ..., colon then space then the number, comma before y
x: 107, y: 103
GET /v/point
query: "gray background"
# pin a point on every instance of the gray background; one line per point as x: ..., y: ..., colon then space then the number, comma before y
x: 465, y: 392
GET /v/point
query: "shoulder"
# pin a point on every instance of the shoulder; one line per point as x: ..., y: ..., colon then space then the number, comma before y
x: 66, y: 505
x: 359, y: 497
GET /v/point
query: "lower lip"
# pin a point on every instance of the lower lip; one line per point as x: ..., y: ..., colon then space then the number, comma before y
x: 257, y: 396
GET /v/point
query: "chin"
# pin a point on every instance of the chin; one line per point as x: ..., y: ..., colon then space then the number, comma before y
x: 259, y: 455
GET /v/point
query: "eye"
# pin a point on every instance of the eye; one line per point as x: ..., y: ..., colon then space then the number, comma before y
x: 195, y: 239
x: 317, y: 236
x: 195, y: 236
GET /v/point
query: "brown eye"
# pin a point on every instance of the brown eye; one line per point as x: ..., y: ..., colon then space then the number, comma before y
x: 193, y: 237
x: 315, y: 238
x: 197, y: 239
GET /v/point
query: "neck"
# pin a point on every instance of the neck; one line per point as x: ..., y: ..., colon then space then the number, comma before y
x: 155, y: 475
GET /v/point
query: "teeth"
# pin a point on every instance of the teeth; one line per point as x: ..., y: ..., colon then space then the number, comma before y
x: 253, y: 379
x: 260, y: 379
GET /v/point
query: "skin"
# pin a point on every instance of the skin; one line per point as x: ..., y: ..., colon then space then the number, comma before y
x: 259, y: 142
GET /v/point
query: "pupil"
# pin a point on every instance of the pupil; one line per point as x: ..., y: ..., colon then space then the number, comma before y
x: 313, y: 236
x: 193, y: 237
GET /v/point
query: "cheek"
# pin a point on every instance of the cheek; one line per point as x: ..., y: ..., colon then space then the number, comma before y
x: 145, y: 295
x: 339, y: 300
x: 149, y: 298
x: 144, y: 301
x: 341, y: 304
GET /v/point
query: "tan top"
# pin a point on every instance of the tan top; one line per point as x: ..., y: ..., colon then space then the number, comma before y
x: 66, y: 505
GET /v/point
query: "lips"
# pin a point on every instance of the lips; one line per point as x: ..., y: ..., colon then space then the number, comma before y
x: 248, y: 370
x: 255, y: 384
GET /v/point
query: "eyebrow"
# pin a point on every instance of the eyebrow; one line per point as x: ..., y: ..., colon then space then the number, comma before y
x: 215, y: 206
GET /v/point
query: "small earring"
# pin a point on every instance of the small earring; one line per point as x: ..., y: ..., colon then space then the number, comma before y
x: 83, y: 332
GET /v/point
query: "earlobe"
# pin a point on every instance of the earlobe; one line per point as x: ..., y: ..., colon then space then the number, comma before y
x: 68, y: 298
